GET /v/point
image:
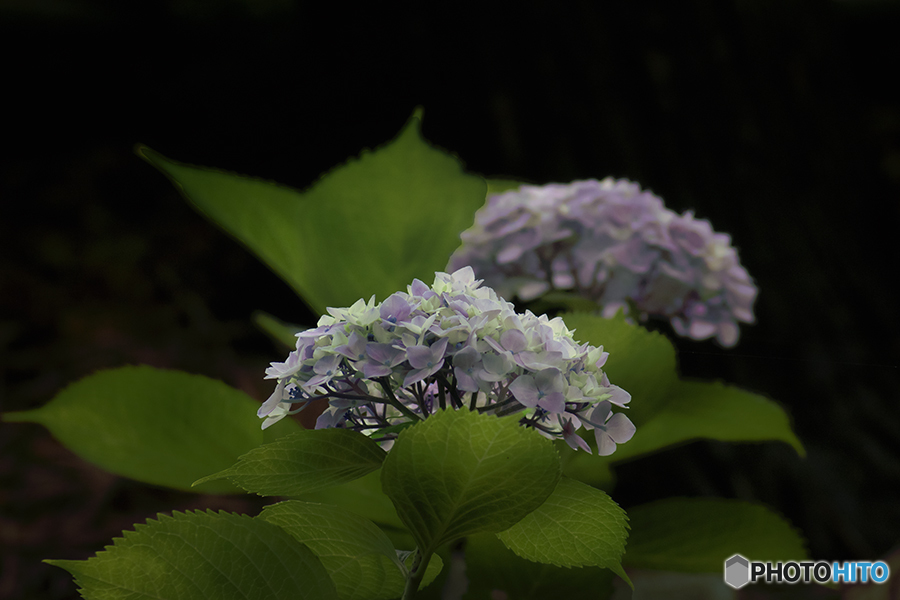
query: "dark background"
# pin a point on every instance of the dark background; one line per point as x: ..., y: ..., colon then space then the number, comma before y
x: 776, y: 120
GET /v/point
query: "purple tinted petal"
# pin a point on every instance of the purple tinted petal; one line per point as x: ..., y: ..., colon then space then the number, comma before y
x: 419, y: 356
x: 273, y: 400
x: 549, y: 381
x: 313, y: 382
x: 420, y: 288
x: 605, y: 444
x: 372, y: 370
x: 287, y: 368
x: 495, y: 345
x: 328, y: 364
x: 635, y: 254
x: 420, y: 374
x: 509, y: 226
x: 464, y: 381
x: 355, y: 348
x: 509, y: 254
x: 575, y: 442
x: 466, y: 358
x: 689, y: 234
x: 536, y: 361
x: 513, y: 340
x: 524, y: 390
x: 385, y: 354
x: 396, y: 308
x: 620, y: 428
x: 700, y: 330
x: 465, y: 275
x: 554, y: 403
x: 618, y: 396
x: 497, y: 364
x: 600, y: 413
x: 439, y: 349
x: 330, y: 418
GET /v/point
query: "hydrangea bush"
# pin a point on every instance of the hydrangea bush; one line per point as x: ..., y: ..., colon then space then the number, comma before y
x: 453, y: 344
x: 439, y: 400
x: 617, y: 245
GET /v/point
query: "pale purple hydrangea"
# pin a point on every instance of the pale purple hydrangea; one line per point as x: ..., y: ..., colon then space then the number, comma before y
x: 455, y: 345
x: 616, y: 245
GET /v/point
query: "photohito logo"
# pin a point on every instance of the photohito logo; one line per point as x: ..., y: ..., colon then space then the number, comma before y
x: 740, y: 571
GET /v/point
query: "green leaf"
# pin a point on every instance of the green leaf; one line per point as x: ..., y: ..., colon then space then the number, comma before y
x: 460, y: 472
x: 577, y: 526
x: 641, y: 362
x: 492, y: 566
x: 698, y: 534
x: 364, y: 497
x: 306, y: 461
x: 367, y: 227
x: 359, y: 557
x: 283, y: 333
x: 711, y: 410
x: 201, y: 555
x: 161, y: 427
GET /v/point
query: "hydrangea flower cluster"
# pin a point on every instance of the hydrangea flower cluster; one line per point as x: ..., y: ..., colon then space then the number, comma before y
x: 456, y: 345
x: 615, y: 245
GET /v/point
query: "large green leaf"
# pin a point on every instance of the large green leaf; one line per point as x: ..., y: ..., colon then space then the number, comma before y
x: 577, y: 526
x: 367, y: 227
x: 362, y: 496
x: 641, y: 362
x: 197, y: 556
x: 667, y: 410
x: 460, y: 472
x: 698, y: 534
x: 304, y: 462
x: 711, y: 410
x: 358, y: 555
x: 492, y: 566
x: 157, y: 426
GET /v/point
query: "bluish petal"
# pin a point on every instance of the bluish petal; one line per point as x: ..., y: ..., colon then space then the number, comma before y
x: 419, y: 356
x: 269, y: 405
x: 513, y: 340
x: 553, y: 403
x: 605, y: 444
x: 524, y: 390
x: 549, y: 380
x: 620, y: 428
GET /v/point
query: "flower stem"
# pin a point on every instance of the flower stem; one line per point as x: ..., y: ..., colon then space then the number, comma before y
x: 416, y: 573
x: 498, y: 405
x: 392, y: 400
x: 442, y: 398
x: 454, y: 395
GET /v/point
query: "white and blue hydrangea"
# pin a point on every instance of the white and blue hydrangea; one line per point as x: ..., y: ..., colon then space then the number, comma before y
x: 454, y: 344
x: 617, y: 245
